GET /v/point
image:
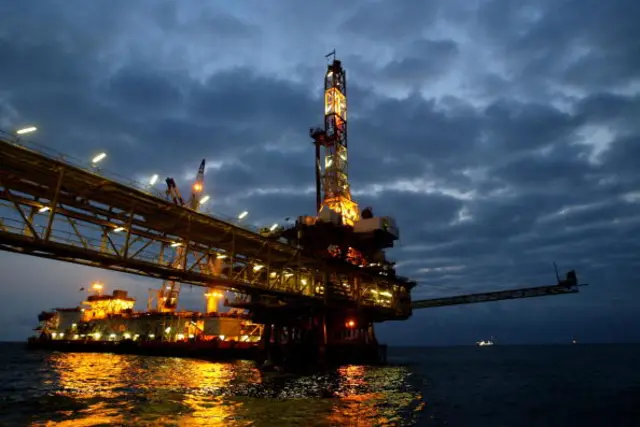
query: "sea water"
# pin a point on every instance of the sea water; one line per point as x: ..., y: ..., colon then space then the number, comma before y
x: 520, y: 386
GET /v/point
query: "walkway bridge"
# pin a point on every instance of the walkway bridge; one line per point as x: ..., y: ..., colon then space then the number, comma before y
x: 53, y: 208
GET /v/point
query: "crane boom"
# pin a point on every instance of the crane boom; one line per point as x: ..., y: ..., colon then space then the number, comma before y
x: 167, y: 296
x: 567, y: 286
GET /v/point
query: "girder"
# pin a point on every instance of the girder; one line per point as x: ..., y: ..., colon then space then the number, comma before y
x: 53, y: 209
x: 568, y: 286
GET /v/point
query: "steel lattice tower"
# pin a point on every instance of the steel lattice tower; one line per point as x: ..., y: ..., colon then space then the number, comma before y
x: 332, y: 178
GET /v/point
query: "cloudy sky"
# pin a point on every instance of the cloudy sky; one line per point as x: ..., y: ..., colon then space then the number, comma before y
x: 502, y: 135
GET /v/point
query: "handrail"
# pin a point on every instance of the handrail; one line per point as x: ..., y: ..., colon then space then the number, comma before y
x: 53, y: 154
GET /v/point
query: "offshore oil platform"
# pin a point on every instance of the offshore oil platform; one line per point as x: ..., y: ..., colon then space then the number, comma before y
x: 310, y: 292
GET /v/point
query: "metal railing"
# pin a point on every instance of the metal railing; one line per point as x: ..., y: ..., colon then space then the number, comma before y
x: 72, y: 239
x: 51, y: 153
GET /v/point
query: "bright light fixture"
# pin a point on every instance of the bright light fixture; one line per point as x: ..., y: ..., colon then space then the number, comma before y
x: 204, y: 200
x: 153, y: 180
x: 118, y: 229
x: 243, y: 214
x: 44, y: 209
x: 98, y: 158
x: 273, y: 227
x: 26, y: 130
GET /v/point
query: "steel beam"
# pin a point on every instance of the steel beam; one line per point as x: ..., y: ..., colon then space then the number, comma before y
x: 85, y: 206
x: 567, y: 286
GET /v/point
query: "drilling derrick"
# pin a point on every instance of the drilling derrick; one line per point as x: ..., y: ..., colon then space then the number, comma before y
x: 340, y: 230
x: 332, y: 178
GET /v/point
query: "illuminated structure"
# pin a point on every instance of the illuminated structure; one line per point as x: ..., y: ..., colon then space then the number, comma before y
x: 112, y: 318
x: 318, y: 287
x: 101, y: 306
x: 167, y: 296
x: 213, y: 298
x: 332, y: 175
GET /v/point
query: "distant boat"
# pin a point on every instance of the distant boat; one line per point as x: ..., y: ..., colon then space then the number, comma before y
x: 484, y: 343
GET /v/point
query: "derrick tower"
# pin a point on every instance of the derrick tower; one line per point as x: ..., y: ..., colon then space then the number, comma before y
x: 332, y: 178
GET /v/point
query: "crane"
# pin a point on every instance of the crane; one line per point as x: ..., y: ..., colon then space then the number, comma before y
x: 567, y: 286
x: 167, y: 296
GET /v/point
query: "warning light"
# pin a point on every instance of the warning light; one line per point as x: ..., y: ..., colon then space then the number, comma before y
x: 197, y: 187
x: 350, y: 324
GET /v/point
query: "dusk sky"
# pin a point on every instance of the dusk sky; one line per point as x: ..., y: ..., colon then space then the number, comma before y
x: 502, y: 135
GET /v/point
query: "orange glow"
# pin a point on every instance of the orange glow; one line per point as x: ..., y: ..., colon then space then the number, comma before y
x: 212, y: 296
x: 100, y: 309
x: 97, y: 286
x: 350, y: 323
x: 189, y: 392
x: 346, y: 207
x: 98, y: 380
x: 335, y: 102
x: 355, y: 257
x: 197, y: 187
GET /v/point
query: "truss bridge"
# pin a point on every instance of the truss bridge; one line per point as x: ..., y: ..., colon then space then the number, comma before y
x: 54, y: 209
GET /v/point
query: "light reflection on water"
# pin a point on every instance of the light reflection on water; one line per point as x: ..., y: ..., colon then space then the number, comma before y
x: 105, y: 389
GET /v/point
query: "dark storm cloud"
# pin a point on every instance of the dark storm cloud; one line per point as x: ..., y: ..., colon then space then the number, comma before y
x: 516, y: 126
x: 560, y: 169
x: 388, y: 22
x: 611, y: 109
x: 424, y: 59
x: 414, y: 211
x: 143, y: 90
x: 620, y: 159
x: 425, y: 132
x: 502, y: 137
x: 243, y: 98
x: 582, y: 44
